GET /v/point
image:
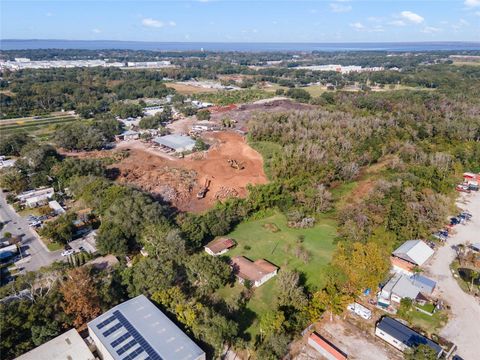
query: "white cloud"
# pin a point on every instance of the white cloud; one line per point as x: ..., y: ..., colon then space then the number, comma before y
x: 96, y: 31
x: 357, y: 26
x: 472, y: 3
x: 339, y: 8
x: 49, y: 14
x: 430, y: 30
x: 149, y: 22
x: 397, y: 23
x: 412, y: 17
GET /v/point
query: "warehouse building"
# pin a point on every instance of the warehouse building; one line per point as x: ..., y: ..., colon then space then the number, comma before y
x: 177, y: 143
x: 137, y: 330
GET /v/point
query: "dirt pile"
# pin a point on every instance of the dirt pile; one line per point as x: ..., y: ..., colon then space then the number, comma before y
x: 179, y: 180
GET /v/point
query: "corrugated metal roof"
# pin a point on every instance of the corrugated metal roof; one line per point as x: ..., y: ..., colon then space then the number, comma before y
x: 175, y: 142
x: 414, y: 251
x: 404, y: 334
x: 137, y: 327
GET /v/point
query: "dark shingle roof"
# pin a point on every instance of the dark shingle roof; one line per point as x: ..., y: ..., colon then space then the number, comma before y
x: 404, y: 334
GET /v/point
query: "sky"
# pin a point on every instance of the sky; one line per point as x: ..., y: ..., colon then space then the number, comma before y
x: 242, y: 20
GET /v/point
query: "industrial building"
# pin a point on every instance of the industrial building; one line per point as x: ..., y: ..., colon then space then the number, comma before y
x: 137, y: 330
x: 176, y: 143
x: 68, y: 346
x: 325, y: 347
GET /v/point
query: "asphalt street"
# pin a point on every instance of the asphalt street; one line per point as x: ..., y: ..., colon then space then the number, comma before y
x: 35, y: 253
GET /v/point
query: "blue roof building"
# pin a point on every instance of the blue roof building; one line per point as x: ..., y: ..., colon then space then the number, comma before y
x: 138, y: 330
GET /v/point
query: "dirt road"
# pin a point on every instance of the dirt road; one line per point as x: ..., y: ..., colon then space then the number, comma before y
x: 463, y: 327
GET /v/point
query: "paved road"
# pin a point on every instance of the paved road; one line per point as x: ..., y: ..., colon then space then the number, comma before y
x: 31, y: 244
x: 463, y: 327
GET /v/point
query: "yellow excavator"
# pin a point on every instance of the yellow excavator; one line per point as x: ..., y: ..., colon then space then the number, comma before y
x: 203, y: 191
x: 235, y: 164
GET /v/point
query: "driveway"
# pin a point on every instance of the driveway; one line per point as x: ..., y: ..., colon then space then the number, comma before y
x: 34, y: 250
x: 463, y: 327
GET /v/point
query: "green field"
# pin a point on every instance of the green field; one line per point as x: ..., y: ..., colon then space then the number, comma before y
x: 30, y: 125
x: 255, y: 241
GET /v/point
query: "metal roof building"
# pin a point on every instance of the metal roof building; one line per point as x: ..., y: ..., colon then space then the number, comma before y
x: 178, y: 143
x: 401, y: 336
x: 138, y: 330
x: 414, y: 251
x: 69, y: 345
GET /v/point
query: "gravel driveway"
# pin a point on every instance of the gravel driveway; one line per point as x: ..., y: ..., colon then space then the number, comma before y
x: 463, y: 327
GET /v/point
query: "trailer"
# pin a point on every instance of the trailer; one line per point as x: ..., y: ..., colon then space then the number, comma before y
x: 360, y: 310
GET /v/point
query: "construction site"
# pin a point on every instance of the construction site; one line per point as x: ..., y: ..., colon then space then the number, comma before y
x: 194, y: 183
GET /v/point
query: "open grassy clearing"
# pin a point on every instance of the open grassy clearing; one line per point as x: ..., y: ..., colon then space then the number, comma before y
x: 256, y: 240
x: 270, y: 238
x: 44, y: 126
x: 185, y: 89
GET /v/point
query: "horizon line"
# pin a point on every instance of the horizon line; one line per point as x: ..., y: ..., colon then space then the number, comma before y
x: 257, y: 42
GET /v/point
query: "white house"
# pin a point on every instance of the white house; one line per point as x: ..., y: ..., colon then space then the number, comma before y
x: 219, y: 246
x: 402, y: 337
x: 258, y: 272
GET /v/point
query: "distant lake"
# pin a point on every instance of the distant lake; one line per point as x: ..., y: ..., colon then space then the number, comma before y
x: 242, y: 47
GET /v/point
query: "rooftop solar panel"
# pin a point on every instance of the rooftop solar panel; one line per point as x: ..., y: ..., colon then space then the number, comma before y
x: 112, y: 329
x: 120, y: 339
x: 106, y: 322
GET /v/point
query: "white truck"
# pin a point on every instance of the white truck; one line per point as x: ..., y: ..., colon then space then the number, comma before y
x: 360, y: 310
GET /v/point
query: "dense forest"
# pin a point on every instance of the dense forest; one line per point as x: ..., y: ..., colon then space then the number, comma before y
x: 409, y: 146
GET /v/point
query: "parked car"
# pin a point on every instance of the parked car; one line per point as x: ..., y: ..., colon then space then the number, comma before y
x: 454, y: 221
x: 67, y: 247
x: 68, y: 252
x: 472, y: 187
x: 462, y: 188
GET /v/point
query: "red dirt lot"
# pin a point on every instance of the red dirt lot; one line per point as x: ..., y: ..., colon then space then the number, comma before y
x: 179, y: 180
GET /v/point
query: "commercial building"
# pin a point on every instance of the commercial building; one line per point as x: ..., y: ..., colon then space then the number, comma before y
x: 410, y: 254
x: 257, y: 272
x: 325, y: 347
x: 402, y: 337
x: 138, y: 330
x: 34, y: 198
x: 219, y: 246
x: 177, y: 143
x: 68, y: 346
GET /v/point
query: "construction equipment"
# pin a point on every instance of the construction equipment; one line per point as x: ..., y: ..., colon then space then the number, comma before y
x: 203, y: 191
x: 235, y: 164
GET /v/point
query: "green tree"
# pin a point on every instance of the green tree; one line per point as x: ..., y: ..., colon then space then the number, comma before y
x: 14, y: 143
x: 330, y: 300
x: 203, y: 115
x: 207, y: 273
x: 421, y: 352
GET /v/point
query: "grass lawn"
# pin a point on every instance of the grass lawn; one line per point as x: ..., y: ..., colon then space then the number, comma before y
x: 315, y: 90
x: 255, y: 241
x: 430, y: 324
x: 268, y: 150
x: 52, y: 246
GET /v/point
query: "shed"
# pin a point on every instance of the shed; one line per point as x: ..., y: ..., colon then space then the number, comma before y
x: 325, y: 347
